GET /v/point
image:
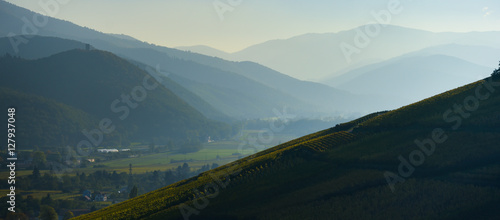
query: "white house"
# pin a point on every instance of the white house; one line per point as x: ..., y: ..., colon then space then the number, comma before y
x: 107, y: 150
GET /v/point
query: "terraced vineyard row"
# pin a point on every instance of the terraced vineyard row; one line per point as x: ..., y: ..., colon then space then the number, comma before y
x: 294, y: 142
x: 350, y: 125
x: 329, y: 141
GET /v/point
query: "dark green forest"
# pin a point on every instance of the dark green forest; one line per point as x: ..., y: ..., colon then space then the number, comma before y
x: 60, y: 96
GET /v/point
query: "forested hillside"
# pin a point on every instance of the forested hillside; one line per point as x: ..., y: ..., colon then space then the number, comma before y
x: 109, y: 88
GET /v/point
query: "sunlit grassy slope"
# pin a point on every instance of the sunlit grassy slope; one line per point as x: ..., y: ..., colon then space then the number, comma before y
x: 344, y: 172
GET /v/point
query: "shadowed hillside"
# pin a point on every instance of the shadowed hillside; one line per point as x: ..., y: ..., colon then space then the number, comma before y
x: 111, y: 88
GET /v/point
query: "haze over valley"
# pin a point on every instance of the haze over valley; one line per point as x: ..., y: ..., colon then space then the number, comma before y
x: 250, y: 110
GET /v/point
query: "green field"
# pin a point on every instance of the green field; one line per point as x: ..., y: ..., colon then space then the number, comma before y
x: 226, y: 150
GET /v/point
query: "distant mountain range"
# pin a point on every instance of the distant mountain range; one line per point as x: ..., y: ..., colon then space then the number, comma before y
x: 401, y: 72
x: 411, y: 78
x: 319, y: 56
x: 486, y: 56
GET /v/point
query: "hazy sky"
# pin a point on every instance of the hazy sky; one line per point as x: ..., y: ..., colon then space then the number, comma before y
x: 241, y: 23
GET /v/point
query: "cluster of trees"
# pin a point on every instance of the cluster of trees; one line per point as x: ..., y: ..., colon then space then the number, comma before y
x: 102, y: 180
x: 98, y: 180
x: 29, y: 207
x: 496, y: 73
